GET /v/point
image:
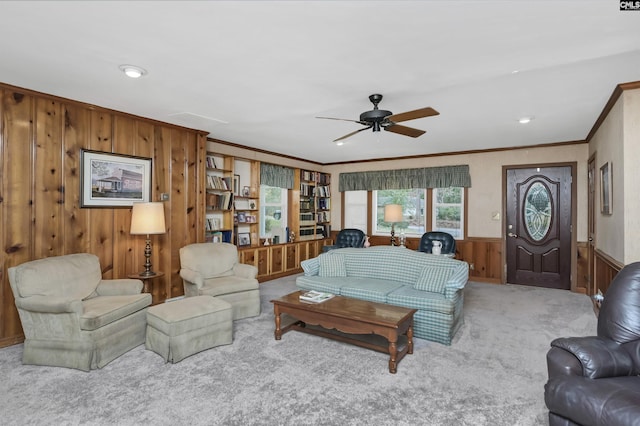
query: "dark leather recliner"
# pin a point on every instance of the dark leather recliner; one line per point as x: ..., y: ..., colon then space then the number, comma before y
x: 447, y: 240
x: 348, y: 237
x: 595, y: 380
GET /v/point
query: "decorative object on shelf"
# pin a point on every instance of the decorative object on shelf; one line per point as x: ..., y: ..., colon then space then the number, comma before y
x: 436, y: 247
x: 244, y: 239
x: 113, y: 180
x: 403, y: 239
x: 393, y: 215
x: 236, y: 185
x: 292, y: 236
x: 367, y: 243
x: 246, y: 191
x: 147, y: 219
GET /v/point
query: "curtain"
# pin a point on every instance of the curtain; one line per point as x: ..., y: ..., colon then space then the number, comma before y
x: 426, y: 177
x: 279, y: 176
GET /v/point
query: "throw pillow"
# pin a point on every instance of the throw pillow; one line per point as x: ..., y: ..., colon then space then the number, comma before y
x: 332, y: 265
x: 433, y: 279
x: 310, y: 266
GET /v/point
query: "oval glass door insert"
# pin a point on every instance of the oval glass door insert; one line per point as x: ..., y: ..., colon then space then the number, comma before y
x: 537, y: 211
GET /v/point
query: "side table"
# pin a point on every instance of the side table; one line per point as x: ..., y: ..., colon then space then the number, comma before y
x: 145, y: 280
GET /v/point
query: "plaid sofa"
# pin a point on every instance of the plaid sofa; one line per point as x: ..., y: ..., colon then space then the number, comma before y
x: 431, y: 284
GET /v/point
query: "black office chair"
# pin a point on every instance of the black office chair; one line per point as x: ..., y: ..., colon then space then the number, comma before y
x: 348, y: 237
x: 447, y: 240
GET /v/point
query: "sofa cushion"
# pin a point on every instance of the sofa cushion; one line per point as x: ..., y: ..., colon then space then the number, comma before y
x: 310, y: 266
x: 369, y: 289
x: 74, y: 276
x: 433, y: 279
x: 103, y: 310
x: 410, y: 297
x: 332, y: 265
x: 324, y: 284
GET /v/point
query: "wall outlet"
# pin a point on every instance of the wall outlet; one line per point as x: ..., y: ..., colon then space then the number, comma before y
x: 472, y: 266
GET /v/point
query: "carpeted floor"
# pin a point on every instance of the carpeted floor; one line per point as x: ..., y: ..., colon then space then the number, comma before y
x: 492, y: 374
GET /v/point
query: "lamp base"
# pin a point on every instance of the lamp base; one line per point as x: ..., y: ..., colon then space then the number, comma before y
x: 393, y: 235
x: 147, y: 257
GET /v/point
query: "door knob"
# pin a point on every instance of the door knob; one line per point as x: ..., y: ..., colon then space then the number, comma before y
x: 512, y: 235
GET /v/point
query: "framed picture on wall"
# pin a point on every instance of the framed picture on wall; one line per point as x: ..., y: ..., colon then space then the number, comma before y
x: 113, y: 180
x: 606, y: 188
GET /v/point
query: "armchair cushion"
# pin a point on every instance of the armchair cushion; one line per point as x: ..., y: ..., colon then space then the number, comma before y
x: 119, y: 287
x: 200, y: 257
x: 599, y: 357
x: 232, y: 284
x: 74, y: 277
x: 100, y: 311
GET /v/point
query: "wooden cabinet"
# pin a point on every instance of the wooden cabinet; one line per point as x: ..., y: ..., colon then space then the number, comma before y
x: 278, y: 260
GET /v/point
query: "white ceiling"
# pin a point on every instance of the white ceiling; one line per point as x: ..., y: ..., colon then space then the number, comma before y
x: 257, y: 73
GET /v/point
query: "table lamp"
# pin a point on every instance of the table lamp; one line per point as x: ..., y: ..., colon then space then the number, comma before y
x: 147, y: 219
x: 393, y: 214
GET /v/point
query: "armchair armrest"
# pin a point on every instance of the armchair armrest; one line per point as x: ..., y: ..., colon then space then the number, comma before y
x: 245, y: 271
x: 49, y: 304
x: 598, y: 357
x: 119, y: 287
x: 192, y: 277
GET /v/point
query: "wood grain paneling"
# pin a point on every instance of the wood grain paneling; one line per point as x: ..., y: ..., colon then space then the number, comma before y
x: 41, y: 140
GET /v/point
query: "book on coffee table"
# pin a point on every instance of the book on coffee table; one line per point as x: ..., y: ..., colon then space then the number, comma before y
x: 313, y: 296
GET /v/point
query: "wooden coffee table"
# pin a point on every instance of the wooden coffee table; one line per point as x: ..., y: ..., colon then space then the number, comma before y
x: 349, y: 316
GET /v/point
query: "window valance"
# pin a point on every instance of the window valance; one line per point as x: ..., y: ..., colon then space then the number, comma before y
x: 426, y: 177
x: 278, y: 176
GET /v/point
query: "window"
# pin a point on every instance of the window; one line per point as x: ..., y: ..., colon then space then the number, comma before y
x: 412, y: 202
x: 448, y: 211
x: 273, y: 209
x: 444, y: 211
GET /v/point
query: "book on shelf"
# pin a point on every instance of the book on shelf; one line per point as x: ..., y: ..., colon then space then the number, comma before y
x: 313, y: 296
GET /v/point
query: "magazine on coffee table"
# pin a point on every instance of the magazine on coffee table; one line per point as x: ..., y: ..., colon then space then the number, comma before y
x: 313, y: 296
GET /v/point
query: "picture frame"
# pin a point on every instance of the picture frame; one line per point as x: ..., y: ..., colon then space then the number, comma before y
x: 244, y: 239
x: 242, y: 217
x: 251, y: 218
x: 236, y: 185
x: 606, y: 189
x: 110, y: 180
x: 246, y: 191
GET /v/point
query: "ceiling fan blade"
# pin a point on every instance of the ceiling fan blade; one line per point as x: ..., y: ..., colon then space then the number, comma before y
x: 352, y: 133
x: 412, y: 115
x: 404, y: 130
x: 343, y: 119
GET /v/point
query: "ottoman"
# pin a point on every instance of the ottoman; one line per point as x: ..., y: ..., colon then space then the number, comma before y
x: 176, y: 330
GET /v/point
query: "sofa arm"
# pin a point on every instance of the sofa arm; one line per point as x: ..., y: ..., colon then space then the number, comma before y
x: 598, y: 357
x: 49, y: 304
x: 245, y: 271
x: 192, y: 277
x: 120, y: 287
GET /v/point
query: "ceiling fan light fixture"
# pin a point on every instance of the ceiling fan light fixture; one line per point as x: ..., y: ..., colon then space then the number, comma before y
x: 133, y: 71
x: 525, y: 120
x: 339, y: 143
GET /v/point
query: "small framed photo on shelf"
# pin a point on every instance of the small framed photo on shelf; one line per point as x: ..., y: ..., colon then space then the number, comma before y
x: 242, y: 218
x: 244, y: 239
x: 251, y: 218
x: 246, y: 191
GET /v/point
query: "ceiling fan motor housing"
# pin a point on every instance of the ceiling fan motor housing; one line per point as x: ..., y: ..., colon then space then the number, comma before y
x: 375, y: 117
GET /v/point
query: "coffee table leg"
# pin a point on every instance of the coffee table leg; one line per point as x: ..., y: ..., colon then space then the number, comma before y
x: 410, y: 339
x: 278, y: 331
x: 393, y: 359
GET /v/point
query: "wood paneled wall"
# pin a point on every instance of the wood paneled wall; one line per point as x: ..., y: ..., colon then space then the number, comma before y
x: 40, y: 141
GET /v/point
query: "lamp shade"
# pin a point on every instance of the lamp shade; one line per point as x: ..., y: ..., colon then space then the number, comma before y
x: 147, y: 218
x: 393, y: 213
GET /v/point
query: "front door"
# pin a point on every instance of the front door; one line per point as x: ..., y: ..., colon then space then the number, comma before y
x: 538, y: 221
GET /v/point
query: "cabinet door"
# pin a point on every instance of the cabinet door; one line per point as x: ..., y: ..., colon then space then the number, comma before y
x: 276, y: 260
x: 291, y: 257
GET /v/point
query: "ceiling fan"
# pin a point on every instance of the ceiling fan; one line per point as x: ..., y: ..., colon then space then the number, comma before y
x: 379, y: 118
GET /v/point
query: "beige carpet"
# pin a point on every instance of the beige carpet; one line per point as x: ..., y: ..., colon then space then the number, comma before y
x: 492, y: 374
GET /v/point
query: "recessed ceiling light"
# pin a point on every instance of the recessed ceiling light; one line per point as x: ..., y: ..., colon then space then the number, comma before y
x: 525, y: 120
x: 133, y: 71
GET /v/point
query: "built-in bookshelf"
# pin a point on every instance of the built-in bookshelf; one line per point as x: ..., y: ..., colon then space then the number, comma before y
x: 310, y: 205
x: 219, y: 199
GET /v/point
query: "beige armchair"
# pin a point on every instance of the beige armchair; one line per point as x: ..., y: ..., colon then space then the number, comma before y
x: 73, y: 318
x: 212, y: 269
